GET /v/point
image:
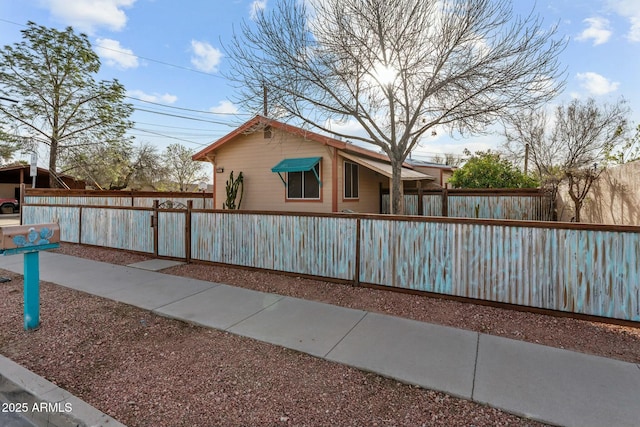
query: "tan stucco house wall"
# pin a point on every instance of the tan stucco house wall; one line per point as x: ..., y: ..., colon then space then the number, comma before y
x: 260, y: 144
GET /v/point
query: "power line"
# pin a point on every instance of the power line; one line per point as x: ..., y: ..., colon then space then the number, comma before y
x: 170, y: 137
x: 188, y: 109
x: 186, y: 117
x: 186, y: 134
x: 172, y: 127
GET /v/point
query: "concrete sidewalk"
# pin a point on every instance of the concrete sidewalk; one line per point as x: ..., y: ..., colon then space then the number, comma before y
x: 547, y: 384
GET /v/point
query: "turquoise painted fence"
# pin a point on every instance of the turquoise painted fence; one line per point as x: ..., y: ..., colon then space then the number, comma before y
x: 172, y: 234
x: 525, y: 205
x: 574, y: 268
x: 68, y: 217
x: 534, y: 208
x: 118, y: 228
x: 142, y: 199
x: 77, y: 200
x: 317, y: 246
x: 586, y: 271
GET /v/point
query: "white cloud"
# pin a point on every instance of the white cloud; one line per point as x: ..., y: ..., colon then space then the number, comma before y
x: 205, y: 57
x: 597, y: 30
x: 115, y: 55
x: 596, y: 84
x: 161, y: 99
x: 629, y: 9
x: 257, y: 6
x: 89, y: 15
x: 224, y: 107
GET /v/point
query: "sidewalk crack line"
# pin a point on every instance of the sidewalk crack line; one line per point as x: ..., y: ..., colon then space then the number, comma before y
x: 475, y: 368
x: 345, y: 335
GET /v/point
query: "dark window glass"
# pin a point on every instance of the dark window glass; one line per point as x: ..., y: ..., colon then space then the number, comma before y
x: 303, y: 185
x: 350, y: 180
x: 294, y: 185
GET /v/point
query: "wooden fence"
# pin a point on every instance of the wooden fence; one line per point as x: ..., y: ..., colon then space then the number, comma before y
x: 576, y: 268
x: 518, y: 204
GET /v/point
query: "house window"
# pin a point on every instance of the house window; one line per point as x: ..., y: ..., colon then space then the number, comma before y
x: 304, y: 184
x: 351, y: 181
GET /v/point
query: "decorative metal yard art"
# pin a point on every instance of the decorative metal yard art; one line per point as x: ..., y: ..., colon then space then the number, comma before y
x: 30, y: 240
x: 233, y: 186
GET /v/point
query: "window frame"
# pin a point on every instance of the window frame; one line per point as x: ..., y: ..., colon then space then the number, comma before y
x: 351, y: 165
x: 305, y: 175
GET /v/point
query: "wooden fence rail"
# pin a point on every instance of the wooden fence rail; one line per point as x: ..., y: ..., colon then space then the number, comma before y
x: 575, y: 268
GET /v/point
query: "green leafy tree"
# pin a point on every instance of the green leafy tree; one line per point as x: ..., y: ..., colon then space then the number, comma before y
x: 51, y: 74
x: 182, y: 171
x: 490, y: 170
x: 396, y: 68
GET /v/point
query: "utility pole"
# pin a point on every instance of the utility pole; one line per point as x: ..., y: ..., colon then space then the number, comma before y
x: 264, y: 100
x: 526, y: 158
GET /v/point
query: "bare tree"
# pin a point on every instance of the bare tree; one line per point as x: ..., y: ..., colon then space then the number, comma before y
x: 397, y: 68
x: 574, y: 149
x: 448, y: 159
x: 181, y: 169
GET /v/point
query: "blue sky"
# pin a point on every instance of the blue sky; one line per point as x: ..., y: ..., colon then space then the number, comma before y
x: 171, y: 53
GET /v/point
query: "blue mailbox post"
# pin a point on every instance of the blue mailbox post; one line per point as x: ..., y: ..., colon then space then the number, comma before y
x: 30, y: 240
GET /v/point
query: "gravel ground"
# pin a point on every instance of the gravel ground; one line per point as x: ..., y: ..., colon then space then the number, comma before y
x: 146, y: 370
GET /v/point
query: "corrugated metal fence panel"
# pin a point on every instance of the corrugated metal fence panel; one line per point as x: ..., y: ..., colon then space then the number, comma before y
x: 519, y: 207
x: 410, y: 255
x: 410, y: 204
x: 95, y: 200
x: 582, y: 271
x: 432, y: 205
x: 118, y: 228
x: 500, y: 207
x: 172, y: 234
x: 316, y: 246
x: 68, y: 218
x: 204, y: 245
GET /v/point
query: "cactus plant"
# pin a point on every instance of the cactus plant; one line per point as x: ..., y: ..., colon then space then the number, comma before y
x: 233, y: 186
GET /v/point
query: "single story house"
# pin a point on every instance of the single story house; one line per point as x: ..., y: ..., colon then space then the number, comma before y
x: 287, y: 168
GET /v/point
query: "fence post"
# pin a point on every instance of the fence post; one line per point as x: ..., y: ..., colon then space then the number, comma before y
x: 187, y: 231
x: 80, y: 226
x: 356, y: 279
x: 445, y: 202
x: 420, y: 204
x: 154, y: 224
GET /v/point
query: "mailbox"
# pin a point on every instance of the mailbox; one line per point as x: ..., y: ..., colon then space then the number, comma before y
x: 17, y: 239
x: 30, y: 240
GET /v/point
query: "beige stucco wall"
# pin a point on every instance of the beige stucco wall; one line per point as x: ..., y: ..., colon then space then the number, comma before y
x: 368, y: 190
x: 613, y: 199
x: 254, y: 156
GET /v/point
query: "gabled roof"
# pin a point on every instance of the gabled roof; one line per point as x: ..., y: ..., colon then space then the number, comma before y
x: 259, y: 123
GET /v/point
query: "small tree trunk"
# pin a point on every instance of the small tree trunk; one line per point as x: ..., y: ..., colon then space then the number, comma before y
x: 578, y: 209
x: 53, y: 158
x: 397, y: 196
